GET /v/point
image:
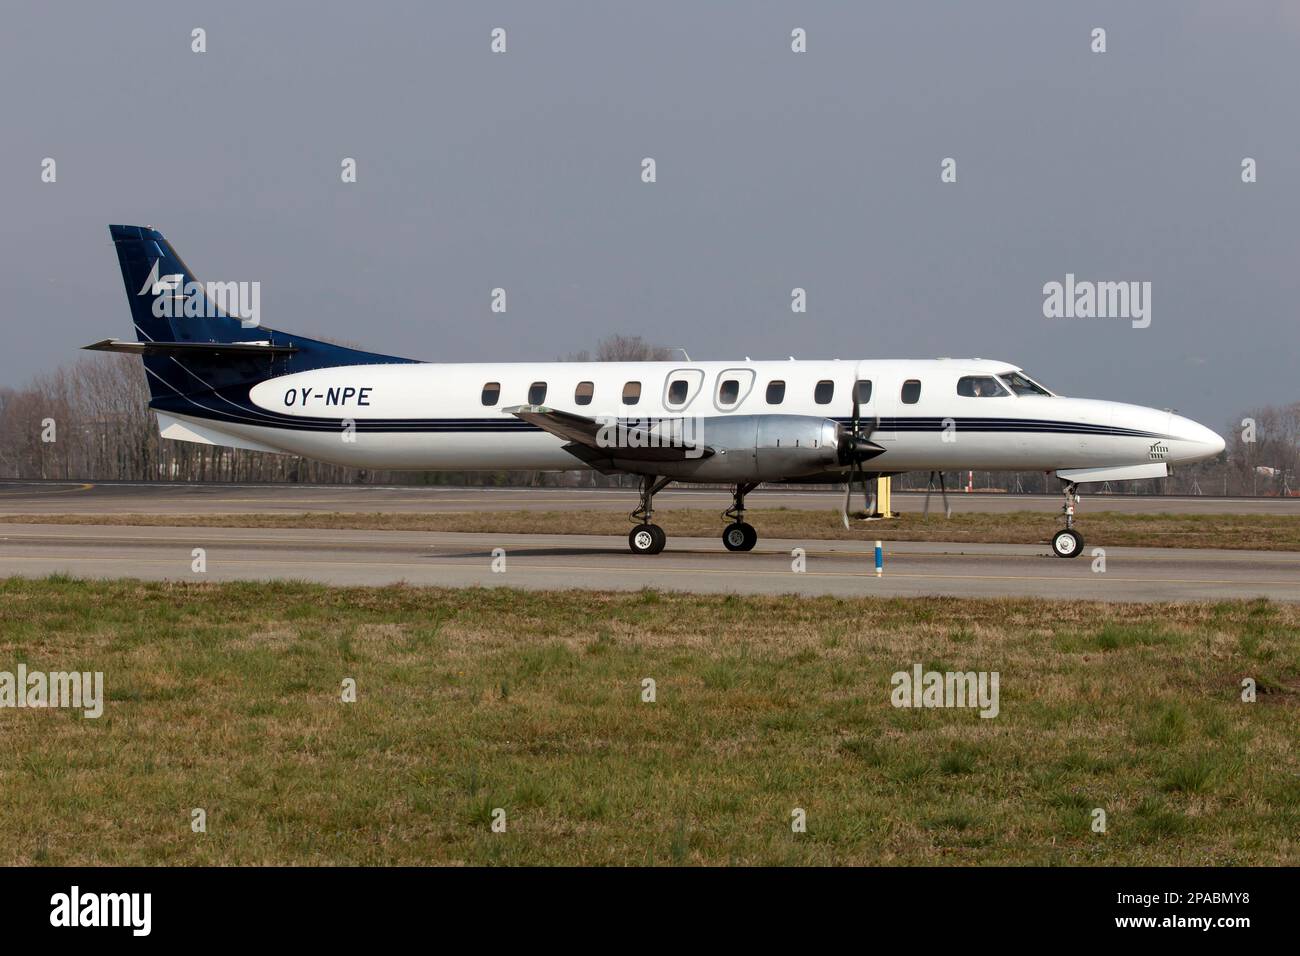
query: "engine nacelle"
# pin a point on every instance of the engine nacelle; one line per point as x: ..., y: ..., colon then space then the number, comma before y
x: 754, y: 448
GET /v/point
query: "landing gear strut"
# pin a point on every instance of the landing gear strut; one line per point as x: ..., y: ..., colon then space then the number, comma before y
x: 739, y: 536
x: 647, y: 538
x: 1068, y: 543
x: 943, y: 492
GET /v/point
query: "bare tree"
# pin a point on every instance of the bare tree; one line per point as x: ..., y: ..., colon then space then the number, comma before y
x: 630, y: 348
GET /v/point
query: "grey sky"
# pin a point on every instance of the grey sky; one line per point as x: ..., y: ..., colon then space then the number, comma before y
x: 775, y: 170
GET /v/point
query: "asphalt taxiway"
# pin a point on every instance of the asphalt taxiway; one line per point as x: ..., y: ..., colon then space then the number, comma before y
x: 838, y: 568
x: 173, y: 498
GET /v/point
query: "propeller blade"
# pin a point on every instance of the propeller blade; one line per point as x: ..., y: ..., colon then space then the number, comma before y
x: 844, y: 509
x: 947, y: 508
x: 925, y: 512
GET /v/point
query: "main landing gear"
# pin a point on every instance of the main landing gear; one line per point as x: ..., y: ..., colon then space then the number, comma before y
x: 647, y: 538
x: 739, y: 536
x: 1068, y: 543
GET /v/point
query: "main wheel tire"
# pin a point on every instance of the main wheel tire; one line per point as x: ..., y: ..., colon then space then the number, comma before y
x: 1067, y: 543
x: 661, y: 539
x: 643, y: 540
x: 739, y: 537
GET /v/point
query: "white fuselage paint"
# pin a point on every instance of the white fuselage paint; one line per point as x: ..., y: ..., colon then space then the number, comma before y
x: 419, y: 392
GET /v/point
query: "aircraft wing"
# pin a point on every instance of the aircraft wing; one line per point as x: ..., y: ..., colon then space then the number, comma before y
x: 603, y: 442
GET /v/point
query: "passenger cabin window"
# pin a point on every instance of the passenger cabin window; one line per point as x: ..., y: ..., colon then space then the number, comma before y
x: 536, y: 393
x: 678, y: 390
x: 582, y: 394
x: 824, y: 392
x: 911, y: 391
x: 491, y: 392
x: 728, y: 392
x: 980, y: 386
x: 631, y: 393
x: 775, y: 392
x: 862, y: 391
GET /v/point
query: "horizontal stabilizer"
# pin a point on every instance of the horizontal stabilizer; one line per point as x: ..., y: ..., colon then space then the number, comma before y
x: 190, y: 348
x: 1155, y: 469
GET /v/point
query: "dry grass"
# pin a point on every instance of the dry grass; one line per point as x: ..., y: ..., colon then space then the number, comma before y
x: 1250, y: 532
x: 226, y: 697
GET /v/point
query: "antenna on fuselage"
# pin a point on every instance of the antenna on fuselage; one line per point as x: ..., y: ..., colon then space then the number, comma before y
x: 678, y: 348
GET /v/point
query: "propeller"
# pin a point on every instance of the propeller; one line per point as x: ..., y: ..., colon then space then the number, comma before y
x: 855, y: 447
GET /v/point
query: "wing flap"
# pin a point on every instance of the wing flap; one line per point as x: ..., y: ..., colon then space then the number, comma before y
x: 608, y: 440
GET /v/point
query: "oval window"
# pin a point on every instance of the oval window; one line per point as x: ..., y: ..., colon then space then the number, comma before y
x: 775, y: 392
x: 732, y: 387
x: 631, y: 393
x: 582, y: 394
x: 824, y: 392
x: 536, y: 393
x: 911, y: 391
x: 491, y: 392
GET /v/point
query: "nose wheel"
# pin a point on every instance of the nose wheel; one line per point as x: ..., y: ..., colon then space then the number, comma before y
x: 1067, y: 543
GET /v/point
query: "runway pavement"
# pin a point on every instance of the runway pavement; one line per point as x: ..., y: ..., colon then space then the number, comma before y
x: 166, y: 498
x: 689, y: 564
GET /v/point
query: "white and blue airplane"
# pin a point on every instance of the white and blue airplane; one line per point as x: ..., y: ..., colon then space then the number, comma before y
x: 215, y: 380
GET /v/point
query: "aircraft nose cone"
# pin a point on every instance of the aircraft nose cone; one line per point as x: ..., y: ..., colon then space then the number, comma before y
x: 1204, y: 443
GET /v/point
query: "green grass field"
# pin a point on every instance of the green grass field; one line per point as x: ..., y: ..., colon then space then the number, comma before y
x: 227, y: 698
x: 1251, y: 532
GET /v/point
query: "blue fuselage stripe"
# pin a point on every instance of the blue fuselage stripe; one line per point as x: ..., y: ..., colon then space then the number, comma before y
x: 249, y: 414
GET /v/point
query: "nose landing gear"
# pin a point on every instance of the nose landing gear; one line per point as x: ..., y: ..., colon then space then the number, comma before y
x: 1068, y: 543
x: 739, y: 536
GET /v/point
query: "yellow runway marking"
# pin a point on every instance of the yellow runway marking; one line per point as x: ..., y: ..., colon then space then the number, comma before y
x: 61, y: 491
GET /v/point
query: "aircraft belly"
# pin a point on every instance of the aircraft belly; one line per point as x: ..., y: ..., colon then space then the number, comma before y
x: 1013, y: 451
x: 469, y: 451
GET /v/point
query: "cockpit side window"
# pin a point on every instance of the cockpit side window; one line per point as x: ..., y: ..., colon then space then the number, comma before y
x: 980, y: 386
x: 1021, y: 384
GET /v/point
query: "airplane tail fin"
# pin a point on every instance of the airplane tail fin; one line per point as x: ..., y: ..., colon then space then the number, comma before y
x: 168, y: 304
x: 201, y: 338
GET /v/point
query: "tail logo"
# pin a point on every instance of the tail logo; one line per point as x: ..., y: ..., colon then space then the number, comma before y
x: 156, y: 285
x: 174, y: 298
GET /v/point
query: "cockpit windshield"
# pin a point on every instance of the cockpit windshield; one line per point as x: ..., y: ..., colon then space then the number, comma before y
x: 1021, y: 384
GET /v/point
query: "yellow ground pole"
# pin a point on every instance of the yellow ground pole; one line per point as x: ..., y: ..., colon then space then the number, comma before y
x: 883, y: 505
